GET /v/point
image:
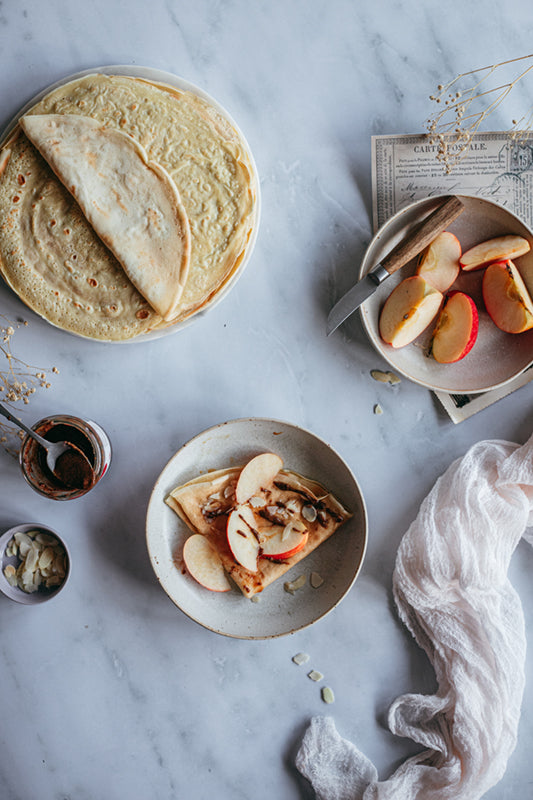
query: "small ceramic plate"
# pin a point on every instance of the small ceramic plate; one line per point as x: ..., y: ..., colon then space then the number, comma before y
x: 159, y: 76
x: 14, y: 592
x: 277, y: 612
x: 496, y: 357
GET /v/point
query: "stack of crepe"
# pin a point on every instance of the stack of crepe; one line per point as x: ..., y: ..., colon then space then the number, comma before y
x: 125, y: 206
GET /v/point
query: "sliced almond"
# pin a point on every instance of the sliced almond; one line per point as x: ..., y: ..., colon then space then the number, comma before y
x: 309, y: 513
x: 316, y: 580
x: 327, y: 695
x: 293, y: 586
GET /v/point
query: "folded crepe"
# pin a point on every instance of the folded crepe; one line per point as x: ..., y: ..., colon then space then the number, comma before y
x: 204, y: 505
x: 132, y: 203
x: 50, y: 254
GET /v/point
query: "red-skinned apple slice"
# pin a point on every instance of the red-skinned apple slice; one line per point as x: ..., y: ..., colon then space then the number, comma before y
x: 257, y: 474
x: 456, y: 330
x: 242, y: 537
x: 408, y: 310
x: 285, y: 543
x: 500, y: 248
x: 506, y: 297
x: 439, y: 263
x: 204, y: 565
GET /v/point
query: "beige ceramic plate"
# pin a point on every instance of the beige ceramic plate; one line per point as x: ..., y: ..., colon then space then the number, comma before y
x: 497, y: 357
x: 338, y: 560
x: 158, y: 76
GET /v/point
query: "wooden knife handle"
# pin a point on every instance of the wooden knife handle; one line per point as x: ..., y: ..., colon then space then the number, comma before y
x: 423, y: 234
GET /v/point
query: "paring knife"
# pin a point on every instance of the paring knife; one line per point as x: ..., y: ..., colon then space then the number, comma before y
x: 408, y: 248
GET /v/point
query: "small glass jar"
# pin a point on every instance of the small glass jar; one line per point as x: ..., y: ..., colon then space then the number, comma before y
x: 83, y: 434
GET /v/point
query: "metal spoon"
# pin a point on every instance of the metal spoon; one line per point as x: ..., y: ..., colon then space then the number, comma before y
x: 54, y: 450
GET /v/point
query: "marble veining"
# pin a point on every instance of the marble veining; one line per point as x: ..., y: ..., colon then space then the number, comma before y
x: 110, y: 691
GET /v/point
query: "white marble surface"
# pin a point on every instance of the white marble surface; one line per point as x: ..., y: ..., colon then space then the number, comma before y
x: 109, y: 691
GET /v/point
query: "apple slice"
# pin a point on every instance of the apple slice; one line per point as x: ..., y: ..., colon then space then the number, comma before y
x: 408, y: 310
x: 439, y: 263
x: 257, y: 474
x: 285, y: 542
x: 456, y: 330
x: 204, y: 564
x: 506, y: 297
x: 499, y: 249
x: 243, y: 537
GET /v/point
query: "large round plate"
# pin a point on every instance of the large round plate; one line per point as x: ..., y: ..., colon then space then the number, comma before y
x: 338, y: 560
x: 160, y: 76
x: 497, y: 357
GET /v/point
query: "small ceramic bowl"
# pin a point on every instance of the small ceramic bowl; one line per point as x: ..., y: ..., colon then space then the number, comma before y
x: 8, y: 560
x: 496, y: 357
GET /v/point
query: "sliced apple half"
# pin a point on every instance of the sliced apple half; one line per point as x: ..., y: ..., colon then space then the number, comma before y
x: 408, y: 311
x: 439, y: 263
x: 506, y: 297
x: 204, y: 565
x: 243, y: 537
x: 257, y: 474
x: 500, y: 248
x: 286, y: 542
x: 456, y: 330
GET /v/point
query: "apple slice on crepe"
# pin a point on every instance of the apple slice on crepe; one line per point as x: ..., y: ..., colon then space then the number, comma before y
x: 132, y: 203
x: 204, y: 565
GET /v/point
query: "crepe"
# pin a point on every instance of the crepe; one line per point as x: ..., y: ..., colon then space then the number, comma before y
x: 51, y: 257
x: 205, y: 503
x: 131, y: 203
x: 72, y: 279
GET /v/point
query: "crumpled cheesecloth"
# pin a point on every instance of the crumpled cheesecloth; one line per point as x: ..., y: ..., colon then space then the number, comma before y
x: 452, y: 592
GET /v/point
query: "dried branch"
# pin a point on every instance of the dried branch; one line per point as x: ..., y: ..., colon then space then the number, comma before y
x: 462, y: 110
x: 18, y: 382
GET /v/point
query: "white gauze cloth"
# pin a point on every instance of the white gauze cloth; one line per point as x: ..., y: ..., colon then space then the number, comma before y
x: 452, y: 592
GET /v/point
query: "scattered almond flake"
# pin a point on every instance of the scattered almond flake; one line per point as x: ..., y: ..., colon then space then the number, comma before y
x: 385, y: 377
x: 293, y: 505
x: 316, y: 580
x: 256, y: 501
x: 293, y: 586
x: 378, y: 409
x: 301, y: 658
x: 315, y: 675
x: 327, y: 695
x: 286, y: 532
x: 309, y: 513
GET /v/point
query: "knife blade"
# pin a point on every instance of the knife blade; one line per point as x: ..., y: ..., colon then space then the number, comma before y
x: 409, y: 247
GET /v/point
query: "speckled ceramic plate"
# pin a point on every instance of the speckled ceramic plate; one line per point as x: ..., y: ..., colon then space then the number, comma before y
x: 277, y: 612
x: 159, y: 76
x: 497, y: 357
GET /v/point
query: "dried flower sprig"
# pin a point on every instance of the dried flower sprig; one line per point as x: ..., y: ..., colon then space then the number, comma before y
x: 459, y: 116
x: 18, y: 382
